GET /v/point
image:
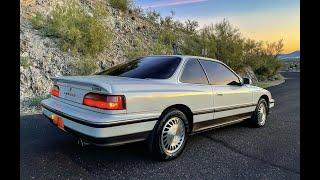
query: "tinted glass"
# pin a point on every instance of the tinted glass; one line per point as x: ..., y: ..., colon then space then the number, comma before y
x: 218, y: 74
x: 156, y: 67
x: 193, y: 73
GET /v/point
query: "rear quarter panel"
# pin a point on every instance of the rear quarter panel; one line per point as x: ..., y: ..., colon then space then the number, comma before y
x: 157, y: 97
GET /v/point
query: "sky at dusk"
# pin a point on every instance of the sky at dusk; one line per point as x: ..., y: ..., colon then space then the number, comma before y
x: 267, y: 20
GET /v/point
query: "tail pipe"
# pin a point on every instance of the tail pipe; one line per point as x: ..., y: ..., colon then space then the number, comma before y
x: 82, y: 142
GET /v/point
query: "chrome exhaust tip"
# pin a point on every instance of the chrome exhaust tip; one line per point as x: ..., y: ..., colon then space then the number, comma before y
x: 82, y: 142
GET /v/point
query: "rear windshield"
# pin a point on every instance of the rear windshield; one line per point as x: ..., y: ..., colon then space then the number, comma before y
x: 154, y: 67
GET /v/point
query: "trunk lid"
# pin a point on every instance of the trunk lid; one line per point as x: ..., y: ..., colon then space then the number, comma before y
x: 74, y: 88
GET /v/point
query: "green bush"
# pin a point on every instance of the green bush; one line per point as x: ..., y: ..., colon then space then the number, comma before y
x: 225, y: 43
x: 85, y: 66
x: 78, y: 32
x: 134, y: 54
x: 119, y: 4
x: 24, y: 61
x: 167, y: 36
x: 35, y: 101
x: 37, y: 21
x: 138, y: 49
x: 192, y: 45
x: 159, y: 49
x: 267, y: 68
x: 156, y: 48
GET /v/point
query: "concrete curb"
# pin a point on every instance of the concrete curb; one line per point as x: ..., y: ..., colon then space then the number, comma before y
x: 276, y: 83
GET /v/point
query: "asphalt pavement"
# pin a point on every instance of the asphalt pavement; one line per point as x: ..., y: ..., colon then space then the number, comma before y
x: 235, y: 152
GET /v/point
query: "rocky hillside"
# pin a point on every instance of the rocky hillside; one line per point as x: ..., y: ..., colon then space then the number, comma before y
x: 42, y: 59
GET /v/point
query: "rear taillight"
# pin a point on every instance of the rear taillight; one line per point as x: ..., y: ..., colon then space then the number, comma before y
x: 55, y: 91
x: 102, y: 101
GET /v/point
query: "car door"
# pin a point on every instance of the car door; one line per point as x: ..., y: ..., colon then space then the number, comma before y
x: 193, y: 79
x: 230, y: 96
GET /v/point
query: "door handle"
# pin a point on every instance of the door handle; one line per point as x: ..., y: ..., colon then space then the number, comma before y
x: 220, y: 94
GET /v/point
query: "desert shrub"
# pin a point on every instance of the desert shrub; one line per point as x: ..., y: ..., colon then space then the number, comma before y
x: 119, y: 4
x: 153, y: 16
x: 35, y: 101
x: 85, y: 66
x: 191, y: 26
x: 136, y: 53
x: 156, y: 49
x: 159, y: 48
x: 167, y: 36
x: 274, y: 48
x: 24, y: 61
x: 208, y: 42
x: 229, y: 45
x: 177, y: 25
x: 166, y: 21
x: 192, y: 45
x: 100, y: 8
x: 77, y: 31
x: 261, y: 57
x: 268, y: 68
x: 138, y: 50
x: 37, y: 21
x: 225, y: 42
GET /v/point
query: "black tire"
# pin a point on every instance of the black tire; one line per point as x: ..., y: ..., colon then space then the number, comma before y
x: 155, y: 141
x: 256, y: 119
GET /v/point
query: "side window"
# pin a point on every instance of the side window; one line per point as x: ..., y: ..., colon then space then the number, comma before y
x: 193, y: 73
x: 218, y: 74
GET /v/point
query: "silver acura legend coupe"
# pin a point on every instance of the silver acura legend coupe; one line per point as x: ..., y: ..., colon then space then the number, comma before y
x: 161, y: 99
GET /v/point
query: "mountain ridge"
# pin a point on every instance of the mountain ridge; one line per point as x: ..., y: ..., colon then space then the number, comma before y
x: 292, y: 55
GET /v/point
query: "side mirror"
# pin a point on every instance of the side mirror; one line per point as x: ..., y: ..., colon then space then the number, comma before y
x: 247, y: 81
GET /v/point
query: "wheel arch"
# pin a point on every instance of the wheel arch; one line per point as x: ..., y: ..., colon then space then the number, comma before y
x: 186, y: 110
x: 265, y: 97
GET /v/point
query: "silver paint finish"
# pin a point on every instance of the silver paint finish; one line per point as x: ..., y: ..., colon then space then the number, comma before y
x: 108, y: 131
x: 148, y: 98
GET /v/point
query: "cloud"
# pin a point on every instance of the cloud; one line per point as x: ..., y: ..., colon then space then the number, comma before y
x: 166, y: 3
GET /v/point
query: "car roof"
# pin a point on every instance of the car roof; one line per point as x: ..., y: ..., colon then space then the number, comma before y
x: 188, y: 56
x: 185, y: 57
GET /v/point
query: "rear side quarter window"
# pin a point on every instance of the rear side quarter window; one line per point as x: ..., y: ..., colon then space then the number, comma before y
x: 193, y: 73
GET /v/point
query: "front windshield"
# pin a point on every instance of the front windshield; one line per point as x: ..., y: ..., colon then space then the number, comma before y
x: 153, y: 67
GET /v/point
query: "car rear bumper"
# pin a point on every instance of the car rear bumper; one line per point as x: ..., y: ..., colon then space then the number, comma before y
x: 107, y: 132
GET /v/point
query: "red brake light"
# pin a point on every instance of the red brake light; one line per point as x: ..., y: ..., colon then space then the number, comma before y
x: 109, y: 102
x: 55, y: 91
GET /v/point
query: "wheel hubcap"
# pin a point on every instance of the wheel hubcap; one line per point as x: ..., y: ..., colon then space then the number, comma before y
x: 262, y: 114
x: 173, y: 134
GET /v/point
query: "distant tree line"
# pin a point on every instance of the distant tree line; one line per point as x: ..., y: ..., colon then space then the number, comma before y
x: 222, y: 41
